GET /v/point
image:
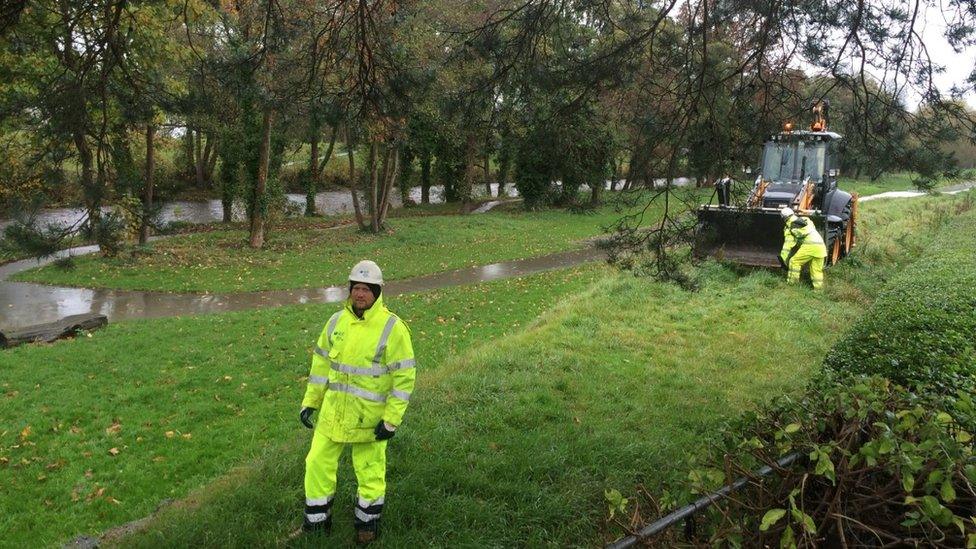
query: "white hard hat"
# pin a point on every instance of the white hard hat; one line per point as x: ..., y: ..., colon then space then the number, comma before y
x: 786, y: 212
x: 368, y: 272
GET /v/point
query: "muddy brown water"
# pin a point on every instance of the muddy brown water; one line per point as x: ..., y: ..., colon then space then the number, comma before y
x: 24, y: 304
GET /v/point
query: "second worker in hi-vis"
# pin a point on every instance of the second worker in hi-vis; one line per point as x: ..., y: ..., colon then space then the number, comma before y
x: 363, y: 373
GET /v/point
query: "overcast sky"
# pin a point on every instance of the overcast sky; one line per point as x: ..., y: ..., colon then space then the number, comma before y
x: 958, y: 65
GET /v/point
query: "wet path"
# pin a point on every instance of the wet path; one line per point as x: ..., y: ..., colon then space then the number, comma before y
x: 26, y: 303
x: 954, y: 189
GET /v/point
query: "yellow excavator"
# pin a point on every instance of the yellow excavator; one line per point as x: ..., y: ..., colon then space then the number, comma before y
x: 799, y: 170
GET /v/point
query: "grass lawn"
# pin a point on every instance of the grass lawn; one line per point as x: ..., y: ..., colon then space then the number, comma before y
x: 534, y: 395
x: 304, y: 255
x: 514, y: 441
x: 182, y: 400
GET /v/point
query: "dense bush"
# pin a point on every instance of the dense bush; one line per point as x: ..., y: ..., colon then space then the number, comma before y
x: 883, y: 439
x: 921, y: 331
x: 879, y: 464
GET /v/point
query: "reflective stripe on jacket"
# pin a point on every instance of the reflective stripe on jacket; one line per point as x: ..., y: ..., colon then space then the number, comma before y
x: 363, y: 371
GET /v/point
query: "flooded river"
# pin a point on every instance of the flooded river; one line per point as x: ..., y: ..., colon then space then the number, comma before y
x: 326, y: 203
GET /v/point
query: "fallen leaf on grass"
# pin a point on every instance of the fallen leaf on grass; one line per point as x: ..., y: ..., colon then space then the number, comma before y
x: 170, y: 434
x: 114, y: 429
x: 25, y: 433
x: 187, y: 436
x: 113, y: 451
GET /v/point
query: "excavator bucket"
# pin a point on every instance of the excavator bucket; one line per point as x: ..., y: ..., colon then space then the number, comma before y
x: 752, y: 236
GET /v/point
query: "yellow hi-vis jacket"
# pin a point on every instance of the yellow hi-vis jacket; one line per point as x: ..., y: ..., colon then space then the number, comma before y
x: 800, y: 233
x: 363, y: 371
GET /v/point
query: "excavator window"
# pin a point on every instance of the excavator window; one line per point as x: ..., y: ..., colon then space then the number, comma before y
x: 794, y: 161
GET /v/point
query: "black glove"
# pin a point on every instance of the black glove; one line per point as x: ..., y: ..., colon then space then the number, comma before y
x: 382, y: 433
x: 306, y: 417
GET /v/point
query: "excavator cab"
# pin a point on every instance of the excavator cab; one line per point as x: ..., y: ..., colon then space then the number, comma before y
x: 799, y: 169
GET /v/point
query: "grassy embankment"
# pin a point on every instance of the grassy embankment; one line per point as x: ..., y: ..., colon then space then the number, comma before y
x: 306, y: 255
x: 515, y: 432
x: 227, y: 237
x: 891, y: 182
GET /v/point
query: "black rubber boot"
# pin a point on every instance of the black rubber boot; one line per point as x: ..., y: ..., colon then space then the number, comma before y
x: 323, y: 527
x: 368, y: 532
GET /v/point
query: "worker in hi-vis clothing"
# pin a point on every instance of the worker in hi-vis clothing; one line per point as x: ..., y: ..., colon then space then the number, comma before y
x: 802, y: 244
x: 363, y: 373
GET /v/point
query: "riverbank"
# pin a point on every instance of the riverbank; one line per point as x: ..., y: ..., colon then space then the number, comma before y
x: 534, y: 396
x: 304, y: 254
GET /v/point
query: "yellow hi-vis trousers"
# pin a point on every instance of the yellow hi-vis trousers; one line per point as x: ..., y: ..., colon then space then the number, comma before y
x: 811, y: 255
x: 321, y: 465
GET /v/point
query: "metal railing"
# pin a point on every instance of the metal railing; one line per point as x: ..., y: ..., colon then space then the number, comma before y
x: 688, y: 512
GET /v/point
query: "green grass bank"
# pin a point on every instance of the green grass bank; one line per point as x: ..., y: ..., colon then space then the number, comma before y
x: 516, y: 440
x: 886, y: 429
x: 534, y: 395
x: 302, y: 254
x: 183, y: 400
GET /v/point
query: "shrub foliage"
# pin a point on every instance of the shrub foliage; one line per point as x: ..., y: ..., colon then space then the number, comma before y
x: 921, y: 331
x: 879, y: 464
x: 884, y: 437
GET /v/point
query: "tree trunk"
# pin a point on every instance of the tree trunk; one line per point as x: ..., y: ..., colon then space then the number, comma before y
x: 405, y: 174
x: 470, y: 152
x: 486, y: 168
x: 371, y: 190
x: 211, y: 162
x: 354, y: 184
x: 229, y: 175
x: 203, y: 175
x: 597, y: 189
x: 316, y: 167
x: 425, y: 159
x: 147, y: 198
x: 311, y: 183
x: 92, y: 204
x: 391, y: 169
x: 198, y: 160
x: 617, y: 166
x: 259, y: 209
x: 328, y: 152
x: 188, y: 148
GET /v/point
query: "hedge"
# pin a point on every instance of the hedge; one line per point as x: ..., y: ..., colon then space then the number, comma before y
x: 885, y: 434
x: 921, y: 331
